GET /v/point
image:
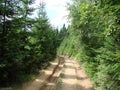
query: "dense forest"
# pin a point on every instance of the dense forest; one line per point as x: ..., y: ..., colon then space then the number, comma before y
x: 93, y: 38
x: 27, y: 44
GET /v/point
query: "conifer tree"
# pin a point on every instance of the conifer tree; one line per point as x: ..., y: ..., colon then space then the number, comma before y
x: 11, y: 55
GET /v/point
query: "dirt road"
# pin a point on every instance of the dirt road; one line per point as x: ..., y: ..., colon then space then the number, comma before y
x: 74, y: 77
x: 47, y: 78
x: 62, y: 74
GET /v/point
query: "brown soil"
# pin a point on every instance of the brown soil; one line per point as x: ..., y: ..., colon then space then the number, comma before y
x: 47, y: 78
x: 72, y: 78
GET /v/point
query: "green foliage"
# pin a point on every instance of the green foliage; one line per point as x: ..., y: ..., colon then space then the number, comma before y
x: 26, y: 44
x: 94, y: 39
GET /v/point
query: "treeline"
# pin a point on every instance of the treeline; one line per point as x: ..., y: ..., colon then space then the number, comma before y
x: 93, y: 38
x: 26, y: 44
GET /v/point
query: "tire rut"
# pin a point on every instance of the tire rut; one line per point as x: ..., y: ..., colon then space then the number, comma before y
x: 49, y: 84
x: 73, y: 78
x: 47, y: 78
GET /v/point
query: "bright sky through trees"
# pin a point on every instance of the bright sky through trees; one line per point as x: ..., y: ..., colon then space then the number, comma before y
x: 56, y: 11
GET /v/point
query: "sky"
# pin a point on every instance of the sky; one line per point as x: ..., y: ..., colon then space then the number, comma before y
x: 56, y: 11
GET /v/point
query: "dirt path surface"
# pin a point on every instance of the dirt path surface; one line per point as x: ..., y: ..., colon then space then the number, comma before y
x: 47, y: 78
x: 74, y: 77
x: 71, y: 75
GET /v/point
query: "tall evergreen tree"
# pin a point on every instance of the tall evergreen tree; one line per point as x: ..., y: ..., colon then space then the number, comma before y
x: 44, y: 38
x: 11, y: 26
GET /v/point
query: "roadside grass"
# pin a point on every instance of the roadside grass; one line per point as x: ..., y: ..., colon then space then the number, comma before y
x: 59, y: 81
x: 59, y: 84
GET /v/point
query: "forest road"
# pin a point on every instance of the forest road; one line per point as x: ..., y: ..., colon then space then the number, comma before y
x: 73, y: 77
x: 63, y: 74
